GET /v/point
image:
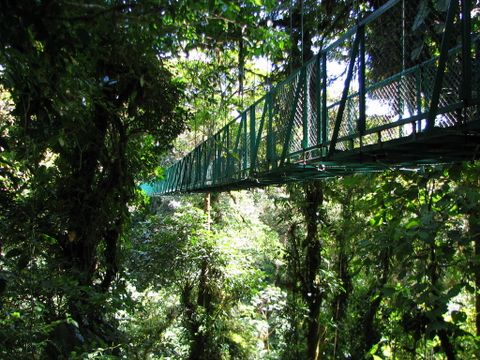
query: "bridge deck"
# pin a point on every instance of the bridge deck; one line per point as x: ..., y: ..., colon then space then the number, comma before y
x: 371, y: 100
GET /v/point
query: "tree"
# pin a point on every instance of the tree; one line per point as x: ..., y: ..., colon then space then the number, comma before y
x: 94, y: 105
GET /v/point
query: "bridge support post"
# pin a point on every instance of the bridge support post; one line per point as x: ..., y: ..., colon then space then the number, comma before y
x: 305, y: 108
x: 418, y: 91
x: 442, y: 62
x: 324, y: 114
x: 318, y: 97
x: 341, y: 108
x: 476, y: 72
x: 245, y: 148
x: 361, y: 83
x: 258, y: 137
x: 291, y: 118
x: 466, y: 52
x: 270, y: 144
x: 252, y: 140
x: 228, y: 172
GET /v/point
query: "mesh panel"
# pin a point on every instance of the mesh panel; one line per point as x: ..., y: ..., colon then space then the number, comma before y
x: 401, y: 65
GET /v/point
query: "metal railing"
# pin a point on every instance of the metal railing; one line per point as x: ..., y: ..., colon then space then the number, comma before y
x: 400, y: 72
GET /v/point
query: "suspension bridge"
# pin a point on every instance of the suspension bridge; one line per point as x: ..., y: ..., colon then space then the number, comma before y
x: 400, y: 89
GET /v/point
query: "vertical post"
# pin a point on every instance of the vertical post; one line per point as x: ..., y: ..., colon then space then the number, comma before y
x: 205, y: 165
x: 207, y: 209
x: 442, y: 62
x: 221, y: 149
x: 477, y: 68
x: 318, y: 97
x: 229, y: 153
x: 418, y: 88
x: 466, y: 91
x: 191, y: 171
x: 215, y: 156
x: 225, y: 149
x: 343, y: 101
x: 218, y: 156
x: 361, y: 83
x: 188, y: 181
x: 185, y: 173
x: 252, y: 139
x: 291, y: 117
x: 306, y: 100
x: 270, y: 157
x: 258, y: 137
x: 166, y: 181
x: 199, y: 164
x: 175, y: 178
x: 212, y: 157
x: 245, y: 143
x: 324, y: 121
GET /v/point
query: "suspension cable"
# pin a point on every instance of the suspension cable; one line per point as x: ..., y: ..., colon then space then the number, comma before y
x: 290, y: 11
x: 301, y: 19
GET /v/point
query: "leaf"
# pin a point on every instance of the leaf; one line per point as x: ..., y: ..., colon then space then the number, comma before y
x: 16, y: 314
x: 159, y: 173
x: 374, y: 349
x: 23, y: 261
x: 454, y: 291
x: 434, y: 326
x: 459, y: 316
x: 48, y: 239
x: 13, y: 253
x: 388, y: 291
x: 376, y: 221
x: 412, y: 224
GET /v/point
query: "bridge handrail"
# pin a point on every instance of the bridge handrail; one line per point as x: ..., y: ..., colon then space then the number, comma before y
x: 307, y: 128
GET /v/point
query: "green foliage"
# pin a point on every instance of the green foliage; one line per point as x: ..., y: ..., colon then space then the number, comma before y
x: 212, y: 280
x: 84, y: 93
x: 91, y: 96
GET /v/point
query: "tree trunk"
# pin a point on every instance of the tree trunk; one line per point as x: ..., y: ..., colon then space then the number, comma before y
x: 208, y: 210
x: 474, y: 232
x: 313, y: 246
x: 434, y: 280
x: 241, y: 65
x: 370, y: 333
x: 199, y: 349
x: 340, y: 302
x: 202, y: 345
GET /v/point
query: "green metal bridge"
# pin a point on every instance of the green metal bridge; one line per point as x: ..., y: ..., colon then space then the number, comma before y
x: 399, y: 89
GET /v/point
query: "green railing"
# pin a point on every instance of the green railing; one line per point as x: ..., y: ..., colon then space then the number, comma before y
x: 391, y: 82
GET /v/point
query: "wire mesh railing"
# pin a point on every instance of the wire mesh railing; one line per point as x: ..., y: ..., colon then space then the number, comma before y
x: 405, y: 69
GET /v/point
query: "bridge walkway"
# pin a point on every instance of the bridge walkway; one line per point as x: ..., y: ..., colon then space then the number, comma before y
x: 391, y: 92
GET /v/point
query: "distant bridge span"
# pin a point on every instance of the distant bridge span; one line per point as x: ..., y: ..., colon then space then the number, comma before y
x: 389, y: 93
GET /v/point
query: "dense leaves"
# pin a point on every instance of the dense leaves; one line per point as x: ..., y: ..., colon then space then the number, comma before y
x: 395, y: 274
x: 91, y: 96
x: 87, y: 90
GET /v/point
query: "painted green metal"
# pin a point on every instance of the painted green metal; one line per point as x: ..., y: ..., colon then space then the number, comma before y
x: 291, y: 118
x: 442, y: 62
x: 361, y: 82
x: 367, y: 102
x: 343, y: 101
x: 324, y: 114
x: 466, y: 50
